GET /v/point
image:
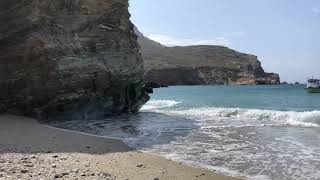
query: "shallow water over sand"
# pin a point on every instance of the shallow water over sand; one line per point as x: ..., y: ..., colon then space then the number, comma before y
x: 261, y: 132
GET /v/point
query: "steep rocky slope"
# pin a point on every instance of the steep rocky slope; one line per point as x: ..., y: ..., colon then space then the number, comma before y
x: 69, y: 59
x: 192, y: 65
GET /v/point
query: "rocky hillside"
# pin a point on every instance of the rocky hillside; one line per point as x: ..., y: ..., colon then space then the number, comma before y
x: 69, y: 59
x: 194, y: 65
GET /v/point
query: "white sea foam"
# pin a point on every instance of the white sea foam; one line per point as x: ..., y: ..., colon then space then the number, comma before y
x: 247, y: 152
x: 159, y: 104
x: 265, y: 117
x: 219, y: 169
x: 253, y: 117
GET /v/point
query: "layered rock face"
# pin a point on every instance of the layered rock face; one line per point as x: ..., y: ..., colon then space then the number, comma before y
x: 196, y: 65
x: 69, y: 59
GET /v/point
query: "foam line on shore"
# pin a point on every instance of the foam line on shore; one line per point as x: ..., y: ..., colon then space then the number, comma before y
x: 82, y: 133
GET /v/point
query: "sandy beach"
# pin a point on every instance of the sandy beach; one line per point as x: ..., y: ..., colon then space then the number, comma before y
x: 30, y: 150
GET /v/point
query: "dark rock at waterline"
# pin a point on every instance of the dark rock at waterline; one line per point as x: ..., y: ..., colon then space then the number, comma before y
x: 69, y: 59
x: 2, y: 108
x: 153, y: 85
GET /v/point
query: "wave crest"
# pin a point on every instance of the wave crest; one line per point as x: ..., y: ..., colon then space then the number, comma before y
x: 307, y: 119
x: 238, y: 116
x: 159, y: 104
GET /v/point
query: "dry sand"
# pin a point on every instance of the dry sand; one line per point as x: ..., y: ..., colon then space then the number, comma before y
x: 29, y: 150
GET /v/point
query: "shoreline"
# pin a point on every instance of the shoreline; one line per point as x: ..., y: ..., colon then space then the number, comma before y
x: 29, y: 149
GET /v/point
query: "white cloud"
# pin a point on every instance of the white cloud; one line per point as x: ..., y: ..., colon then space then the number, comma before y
x: 316, y: 11
x: 174, y: 41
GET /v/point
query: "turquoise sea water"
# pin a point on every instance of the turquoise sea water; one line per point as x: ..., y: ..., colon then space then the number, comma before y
x: 280, y: 98
x: 259, y: 132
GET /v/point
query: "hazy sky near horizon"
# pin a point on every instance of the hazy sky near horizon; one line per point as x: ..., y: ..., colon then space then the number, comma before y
x: 284, y: 34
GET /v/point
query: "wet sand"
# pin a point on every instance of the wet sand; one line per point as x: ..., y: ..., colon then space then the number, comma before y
x: 30, y: 150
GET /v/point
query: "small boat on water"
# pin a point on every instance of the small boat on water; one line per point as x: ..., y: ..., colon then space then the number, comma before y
x: 313, y: 86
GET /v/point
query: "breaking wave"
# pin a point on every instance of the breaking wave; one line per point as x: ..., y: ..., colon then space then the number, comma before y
x: 247, y: 117
x: 306, y: 119
x: 159, y: 104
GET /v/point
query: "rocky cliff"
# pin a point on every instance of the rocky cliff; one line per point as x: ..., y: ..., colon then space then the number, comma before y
x: 195, y: 65
x: 69, y: 59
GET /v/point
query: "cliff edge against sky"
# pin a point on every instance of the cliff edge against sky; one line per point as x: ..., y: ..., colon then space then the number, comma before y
x: 69, y: 58
x: 196, y: 65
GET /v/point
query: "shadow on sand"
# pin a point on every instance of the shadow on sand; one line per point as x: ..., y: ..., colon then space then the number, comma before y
x: 25, y: 135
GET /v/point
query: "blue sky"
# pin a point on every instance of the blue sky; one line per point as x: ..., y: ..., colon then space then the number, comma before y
x: 284, y: 34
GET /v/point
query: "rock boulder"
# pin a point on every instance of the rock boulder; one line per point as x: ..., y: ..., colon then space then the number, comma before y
x: 69, y: 59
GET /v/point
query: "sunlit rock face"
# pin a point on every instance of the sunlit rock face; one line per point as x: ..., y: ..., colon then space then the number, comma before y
x: 69, y: 59
x: 198, y: 65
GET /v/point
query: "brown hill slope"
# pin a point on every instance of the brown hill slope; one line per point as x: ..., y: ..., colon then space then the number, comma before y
x: 205, y: 64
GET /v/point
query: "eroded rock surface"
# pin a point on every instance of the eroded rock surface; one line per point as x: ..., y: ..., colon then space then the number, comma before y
x: 195, y: 65
x: 69, y: 59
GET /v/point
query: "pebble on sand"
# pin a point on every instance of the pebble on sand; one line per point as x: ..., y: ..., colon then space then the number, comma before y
x: 24, y: 171
x: 140, y: 165
x: 58, y: 176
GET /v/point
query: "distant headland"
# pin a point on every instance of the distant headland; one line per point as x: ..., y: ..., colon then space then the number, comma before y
x: 201, y: 65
